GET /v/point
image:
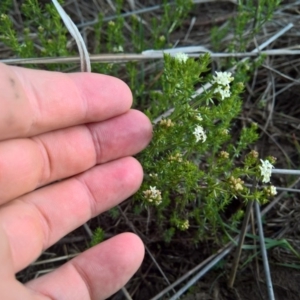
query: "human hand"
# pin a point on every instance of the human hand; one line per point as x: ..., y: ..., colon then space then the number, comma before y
x: 78, y: 129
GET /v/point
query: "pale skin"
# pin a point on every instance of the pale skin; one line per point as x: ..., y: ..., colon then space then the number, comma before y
x: 78, y: 129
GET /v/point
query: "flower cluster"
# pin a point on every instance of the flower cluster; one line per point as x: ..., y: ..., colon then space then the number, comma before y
x: 236, y: 183
x: 222, y: 79
x: 118, y: 49
x: 224, y: 154
x: 273, y: 190
x: 181, y: 57
x: 254, y: 153
x: 266, y: 170
x: 153, y: 175
x: 177, y: 157
x: 224, y: 131
x: 200, y: 134
x: 153, y: 195
x: 183, y: 225
x: 270, y: 191
x: 199, y: 117
x: 166, y: 123
x: 3, y: 17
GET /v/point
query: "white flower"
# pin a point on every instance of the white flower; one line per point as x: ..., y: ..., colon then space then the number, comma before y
x: 153, y: 195
x: 181, y: 57
x: 199, y: 117
x: 184, y: 225
x: 3, y: 17
x: 224, y: 92
x: 223, y: 78
x: 225, y: 131
x: 177, y: 157
x: 162, y: 38
x: 200, y: 134
x: 118, y: 49
x: 266, y: 170
x: 273, y: 191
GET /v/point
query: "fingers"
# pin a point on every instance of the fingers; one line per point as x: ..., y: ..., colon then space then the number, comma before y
x: 30, y: 163
x: 33, y: 102
x: 37, y: 220
x: 96, y: 274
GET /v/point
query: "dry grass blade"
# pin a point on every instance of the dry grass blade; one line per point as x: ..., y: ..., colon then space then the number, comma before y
x: 240, y: 244
x: 148, y: 251
x: 127, y: 57
x: 201, y: 273
x: 264, y: 252
x: 84, y: 55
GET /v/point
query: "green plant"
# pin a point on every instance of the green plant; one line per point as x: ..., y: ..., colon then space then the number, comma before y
x: 247, y: 21
x: 194, y: 168
x: 43, y: 35
x: 98, y: 237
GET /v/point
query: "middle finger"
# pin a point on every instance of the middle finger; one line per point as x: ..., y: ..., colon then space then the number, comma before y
x: 27, y: 164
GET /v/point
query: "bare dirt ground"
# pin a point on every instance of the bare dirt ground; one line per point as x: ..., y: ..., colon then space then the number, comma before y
x: 271, y: 100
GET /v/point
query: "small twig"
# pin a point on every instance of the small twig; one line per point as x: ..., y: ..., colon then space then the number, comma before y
x: 240, y: 244
x: 52, y: 260
x: 213, y: 258
x: 271, y: 110
x: 88, y: 230
x: 264, y: 252
x: 192, y: 23
x: 280, y: 189
x: 254, y: 244
x: 285, y: 171
x: 147, y: 249
x: 126, y: 294
x: 281, y: 74
x: 201, y: 273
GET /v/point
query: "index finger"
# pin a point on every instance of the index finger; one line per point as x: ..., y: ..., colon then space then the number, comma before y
x: 35, y: 101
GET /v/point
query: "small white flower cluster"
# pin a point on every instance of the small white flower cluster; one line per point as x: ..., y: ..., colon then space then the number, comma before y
x: 223, y: 80
x: 184, y: 225
x: 200, y: 134
x: 224, y: 131
x: 273, y: 190
x: 153, y: 175
x: 266, y: 170
x: 236, y: 183
x: 166, y: 123
x: 224, y: 154
x: 177, y: 157
x: 153, y: 195
x: 199, y: 117
x: 181, y: 57
x: 270, y: 191
x: 118, y: 49
x: 3, y: 17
